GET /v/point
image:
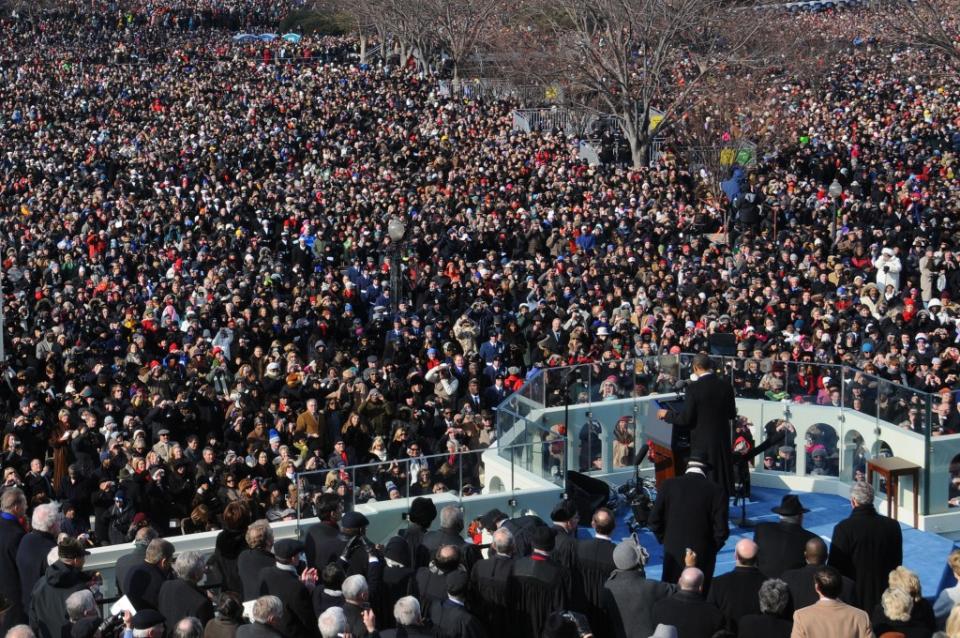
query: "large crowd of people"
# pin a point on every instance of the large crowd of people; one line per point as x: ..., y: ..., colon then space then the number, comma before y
x: 202, y: 300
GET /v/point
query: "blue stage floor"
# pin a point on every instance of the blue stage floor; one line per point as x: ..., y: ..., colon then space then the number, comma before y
x: 923, y: 552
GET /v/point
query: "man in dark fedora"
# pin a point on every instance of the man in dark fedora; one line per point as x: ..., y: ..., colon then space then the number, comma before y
x: 782, y: 543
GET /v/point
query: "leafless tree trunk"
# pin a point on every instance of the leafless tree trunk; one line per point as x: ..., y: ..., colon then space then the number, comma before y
x: 928, y: 24
x: 633, y: 58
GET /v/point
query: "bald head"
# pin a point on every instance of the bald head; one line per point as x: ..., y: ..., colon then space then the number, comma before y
x: 603, y: 521
x: 815, y: 551
x: 691, y: 579
x: 746, y: 553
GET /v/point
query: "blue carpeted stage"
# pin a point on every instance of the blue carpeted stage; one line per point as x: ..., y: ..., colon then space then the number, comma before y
x: 923, y: 552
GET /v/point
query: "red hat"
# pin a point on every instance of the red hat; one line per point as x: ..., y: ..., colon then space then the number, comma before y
x: 173, y: 347
x: 216, y: 350
x: 154, y: 364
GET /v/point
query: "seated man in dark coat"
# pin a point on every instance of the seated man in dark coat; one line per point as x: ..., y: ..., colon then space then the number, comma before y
x: 735, y: 593
x: 800, y: 581
x: 774, y: 620
x: 782, y: 544
x: 490, y: 584
x: 629, y: 596
x: 687, y: 610
x: 284, y: 581
x: 181, y: 597
x: 450, y: 616
x: 143, y: 582
x: 266, y: 614
x: 539, y: 586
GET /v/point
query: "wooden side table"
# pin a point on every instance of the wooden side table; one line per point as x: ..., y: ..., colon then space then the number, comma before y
x: 891, y: 469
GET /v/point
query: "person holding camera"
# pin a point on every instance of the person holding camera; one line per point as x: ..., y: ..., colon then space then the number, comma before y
x: 291, y: 581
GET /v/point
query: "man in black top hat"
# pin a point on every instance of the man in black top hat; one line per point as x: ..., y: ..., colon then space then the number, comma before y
x: 782, y: 543
x: 286, y: 582
x: 539, y: 585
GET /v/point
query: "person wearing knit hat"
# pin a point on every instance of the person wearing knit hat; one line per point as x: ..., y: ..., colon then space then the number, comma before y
x: 421, y: 516
x: 629, y: 595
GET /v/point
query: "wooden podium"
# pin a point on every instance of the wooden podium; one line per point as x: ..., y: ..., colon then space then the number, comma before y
x: 662, y: 442
x: 664, y: 463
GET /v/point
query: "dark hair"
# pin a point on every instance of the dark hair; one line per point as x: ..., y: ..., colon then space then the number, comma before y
x: 229, y: 606
x: 458, y: 583
x: 327, y: 505
x: 828, y: 581
x: 702, y: 361
x: 236, y: 517
x: 332, y: 576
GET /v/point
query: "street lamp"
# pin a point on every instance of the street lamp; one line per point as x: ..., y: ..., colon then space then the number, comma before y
x: 396, y: 229
x: 835, y: 191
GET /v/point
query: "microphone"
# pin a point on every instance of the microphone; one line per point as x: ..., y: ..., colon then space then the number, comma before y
x: 641, y: 454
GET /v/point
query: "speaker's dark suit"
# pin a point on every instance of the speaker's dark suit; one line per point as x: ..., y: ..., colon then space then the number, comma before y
x: 708, y: 410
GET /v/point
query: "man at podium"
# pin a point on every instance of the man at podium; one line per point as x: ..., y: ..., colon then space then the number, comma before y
x: 708, y: 411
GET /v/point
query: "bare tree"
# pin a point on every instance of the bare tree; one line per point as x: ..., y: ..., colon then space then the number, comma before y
x: 928, y: 24
x: 464, y: 27
x: 632, y: 57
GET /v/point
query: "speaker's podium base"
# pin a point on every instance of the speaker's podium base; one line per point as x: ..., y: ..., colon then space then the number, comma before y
x: 664, y: 462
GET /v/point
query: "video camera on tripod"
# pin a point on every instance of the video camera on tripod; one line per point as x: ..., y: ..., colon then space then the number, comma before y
x: 638, y: 493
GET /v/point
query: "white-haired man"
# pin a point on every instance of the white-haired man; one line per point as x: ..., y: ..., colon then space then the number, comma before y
x: 33, y: 550
x: 356, y: 595
x: 332, y: 623
x: 866, y: 547
x: 182, y: 597
x: 406, y: 611
x: 266, y: 615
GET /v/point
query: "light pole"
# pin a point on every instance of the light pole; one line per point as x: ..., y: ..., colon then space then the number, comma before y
x: 395, y: 230
x: 835, y: 191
